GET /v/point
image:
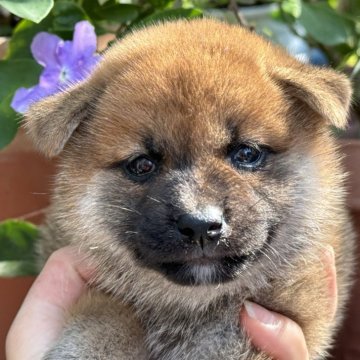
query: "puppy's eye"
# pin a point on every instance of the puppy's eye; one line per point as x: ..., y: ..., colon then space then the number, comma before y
x: 248, y: 157
x: 140, y: 166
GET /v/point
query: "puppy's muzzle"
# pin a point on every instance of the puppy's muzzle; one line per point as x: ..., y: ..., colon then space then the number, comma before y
x: 202, y: 229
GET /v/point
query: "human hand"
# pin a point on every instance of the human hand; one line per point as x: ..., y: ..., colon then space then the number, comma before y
x: 277, y: 335
x: 41, y: 317
x: 62, y: 282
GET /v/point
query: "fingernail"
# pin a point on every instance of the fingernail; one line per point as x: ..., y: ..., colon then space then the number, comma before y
x: 259, y: 313
x: 329, y: 252
x: 327, y: 256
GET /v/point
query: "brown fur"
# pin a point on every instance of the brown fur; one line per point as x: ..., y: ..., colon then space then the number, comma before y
x: 191, y: 87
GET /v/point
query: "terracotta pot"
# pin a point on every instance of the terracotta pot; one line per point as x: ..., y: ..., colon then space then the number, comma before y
x: 347, y: 346
x: 24, y: 193
x: 351, y: 150
x: 13, y: 291
x: 25, y: 181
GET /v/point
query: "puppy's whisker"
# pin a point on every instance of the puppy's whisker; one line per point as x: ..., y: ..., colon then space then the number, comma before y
x: 153, y: 199
x: 160, y: 200
x: 123, y: 208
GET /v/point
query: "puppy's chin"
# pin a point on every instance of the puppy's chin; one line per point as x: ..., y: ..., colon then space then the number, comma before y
x: 209, y: 272
x: 204, y: 272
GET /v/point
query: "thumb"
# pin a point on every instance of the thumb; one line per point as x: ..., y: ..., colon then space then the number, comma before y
x: 41, y: 317
x: 273, y: 333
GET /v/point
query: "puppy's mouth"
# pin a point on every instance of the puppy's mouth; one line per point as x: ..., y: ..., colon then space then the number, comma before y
x: 205, y: 271
x: 212, y: 270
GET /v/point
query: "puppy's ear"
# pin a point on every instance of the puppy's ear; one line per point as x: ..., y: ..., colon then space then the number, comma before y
x: 51, y: 122
x: 325, y: 91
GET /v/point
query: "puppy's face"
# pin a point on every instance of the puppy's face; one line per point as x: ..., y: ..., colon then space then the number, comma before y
x: 195, y: 158
x: 188, y: 178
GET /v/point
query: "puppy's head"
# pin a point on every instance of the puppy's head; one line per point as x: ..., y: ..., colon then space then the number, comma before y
x: 196, y: 153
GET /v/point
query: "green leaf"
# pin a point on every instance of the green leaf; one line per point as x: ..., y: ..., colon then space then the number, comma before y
x: 34, y: 10
x: 5, y: 30
x: 292, y: 7
x: 161, y: 4
x: 19, y: 46
x: 8, y: 122
x: 120, y: 13
x: 325, y: 25
x: 355, y: 77
x: 13, y: 74
x: 170, y: 15
x: 17, y: 73
x: 17, y: 248
x: 351, y: 7
x: 111, y: 11
x: 18, y: 268
x: 356, y: 71
x: 65, y: 15
x: 17, y: 239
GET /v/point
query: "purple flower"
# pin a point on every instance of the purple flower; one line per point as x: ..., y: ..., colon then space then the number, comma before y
x: 64, y: 62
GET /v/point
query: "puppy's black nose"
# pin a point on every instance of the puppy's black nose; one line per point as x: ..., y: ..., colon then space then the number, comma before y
x: 200, y: 230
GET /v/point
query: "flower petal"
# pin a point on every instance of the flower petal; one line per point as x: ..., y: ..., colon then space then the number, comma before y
x: 84, y: 40
x: 23, y: 98
x: 50, y: 78
x: 84, y: 67
x: 77, y: 71
x: 65, y: 54
x: 43, y: 48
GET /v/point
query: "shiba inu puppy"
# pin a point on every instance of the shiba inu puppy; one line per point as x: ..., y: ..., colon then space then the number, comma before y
x: 197, y: 170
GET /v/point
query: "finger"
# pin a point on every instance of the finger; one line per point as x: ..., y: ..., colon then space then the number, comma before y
x: 266, y: 338
x: 273, y: 333
x: 41, y: 316
x: 328, y: 261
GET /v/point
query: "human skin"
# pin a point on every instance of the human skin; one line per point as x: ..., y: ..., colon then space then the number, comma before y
x: 63, y: 281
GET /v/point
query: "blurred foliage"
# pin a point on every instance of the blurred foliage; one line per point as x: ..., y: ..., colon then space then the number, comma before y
x: 17, y: 248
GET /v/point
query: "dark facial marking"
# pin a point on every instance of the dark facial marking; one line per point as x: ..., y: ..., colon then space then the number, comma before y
x: 228, y: 268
